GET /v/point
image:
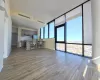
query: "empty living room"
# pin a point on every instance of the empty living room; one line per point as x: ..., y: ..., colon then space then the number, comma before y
x: 49, y: 40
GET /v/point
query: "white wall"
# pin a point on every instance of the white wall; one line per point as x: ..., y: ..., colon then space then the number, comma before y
x: 96, y: 31
x: 28, y: 32
x: 5, y: 38
x: 9, y: 36
x: 5, y: 32
x: 50, y: 43
x: 2, y: 13
x: 26, y: 38
x: 25, y: 28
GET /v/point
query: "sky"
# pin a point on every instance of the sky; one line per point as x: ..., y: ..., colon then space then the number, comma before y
x: 73, y: 31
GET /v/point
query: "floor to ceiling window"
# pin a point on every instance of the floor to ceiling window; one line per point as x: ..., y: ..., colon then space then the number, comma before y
x: 60, y: 44
x: 46, y: 31
x: 42, y: 33
x: 60, y: 33
x: 72, y: 31
x: 51, y: 29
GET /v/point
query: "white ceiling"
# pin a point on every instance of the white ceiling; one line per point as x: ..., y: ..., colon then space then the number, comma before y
x: 24, y: 22
x: 43, y: 10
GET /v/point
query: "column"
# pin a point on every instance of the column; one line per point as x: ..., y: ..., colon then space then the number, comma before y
x: 96, y: 30
x: 19, y: 37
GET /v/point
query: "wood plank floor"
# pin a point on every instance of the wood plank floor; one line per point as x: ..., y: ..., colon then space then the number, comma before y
x: 45, y: 64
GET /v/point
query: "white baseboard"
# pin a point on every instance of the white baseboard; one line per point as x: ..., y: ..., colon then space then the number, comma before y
x: 5, y: 56
x: 1, y: 67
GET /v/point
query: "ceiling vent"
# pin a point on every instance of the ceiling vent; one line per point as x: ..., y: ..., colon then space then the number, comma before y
x: 30, y: 18
x: 40, y: 22
x: 24, y: 16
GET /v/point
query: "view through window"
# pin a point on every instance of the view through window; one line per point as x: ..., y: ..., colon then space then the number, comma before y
x: 51, y: 30
x: 74, y: 35
x: 46, y: 31
x: 72, y: 31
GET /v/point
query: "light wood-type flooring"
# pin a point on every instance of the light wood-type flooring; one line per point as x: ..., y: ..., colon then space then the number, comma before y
x: 44, y: 64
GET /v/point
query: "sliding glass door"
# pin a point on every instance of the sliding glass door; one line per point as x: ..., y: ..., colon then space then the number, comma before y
x: 59, y: 37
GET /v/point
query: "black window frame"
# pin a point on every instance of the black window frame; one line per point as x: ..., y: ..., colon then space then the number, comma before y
x: 65, y: 30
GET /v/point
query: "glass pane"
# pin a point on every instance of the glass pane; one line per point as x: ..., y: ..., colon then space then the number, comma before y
x: 51, y: 30
x: 74, y: 48
x: 60, y: 34
x: 46, y: 31
x: 87, y: 23
x: 41, y: 33
x: 88, y: 50
x: 74, y: 30
x: 60, y: 20
x: 60, y: 46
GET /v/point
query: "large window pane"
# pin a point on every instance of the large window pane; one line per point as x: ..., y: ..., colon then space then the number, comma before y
x: 60, y: 46
x: 41, y: 33
x: 74, y: 30
x: 74, y: 48
x: 51, y: 30
x: 60, y: 33
x: 88, y: 50
x: 46, y: 31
